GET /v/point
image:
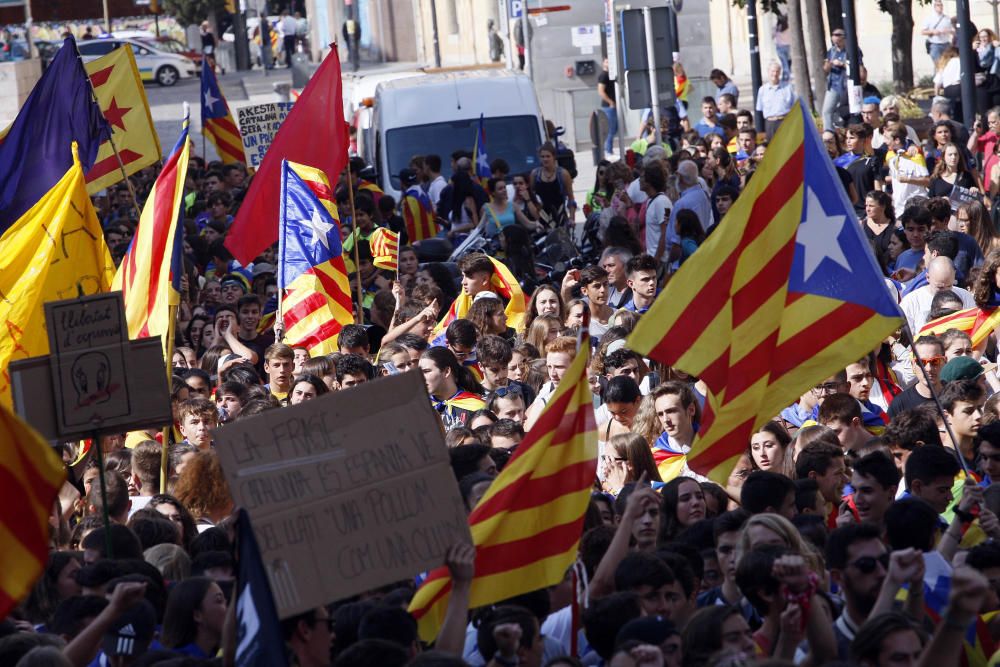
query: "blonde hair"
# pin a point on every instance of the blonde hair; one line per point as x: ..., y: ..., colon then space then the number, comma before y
x: 538, y: 332
x: 787, y: 532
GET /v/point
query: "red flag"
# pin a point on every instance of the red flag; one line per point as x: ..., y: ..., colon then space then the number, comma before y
x: 314, y: 133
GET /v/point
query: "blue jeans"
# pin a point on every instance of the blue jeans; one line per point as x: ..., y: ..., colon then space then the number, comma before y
x: 937, y: 50
x: 831, y: 102
x: 612, y: 115
x: 785, y: 56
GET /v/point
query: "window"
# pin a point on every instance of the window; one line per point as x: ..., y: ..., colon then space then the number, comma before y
x: 513, y: 138
x: 97, y: 47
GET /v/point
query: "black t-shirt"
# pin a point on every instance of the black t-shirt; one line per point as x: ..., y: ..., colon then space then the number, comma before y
x: 907, y: 400
x: 863, y: 172
x: 942, y: 188
x: 259, y: 345
x: 609, y: 87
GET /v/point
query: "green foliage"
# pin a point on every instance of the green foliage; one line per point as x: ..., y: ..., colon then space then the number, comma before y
x: 188, y: 12
x: 763, y: 6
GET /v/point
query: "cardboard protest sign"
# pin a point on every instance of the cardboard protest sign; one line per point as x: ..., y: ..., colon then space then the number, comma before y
x: 347, y: 492
x: 258, y: 125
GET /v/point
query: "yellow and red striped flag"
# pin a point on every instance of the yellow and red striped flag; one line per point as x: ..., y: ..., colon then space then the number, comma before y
x: 503, y: 283
x: 217, y: 122
x: 30, y: 477
x: 418, y: 214
x: 784, y: 294
x: 150, y: 274
x: 979, y: 323
x: 385, y: 248
x: 311, y: 270
x: 526, y: 528
x: 122, y: 97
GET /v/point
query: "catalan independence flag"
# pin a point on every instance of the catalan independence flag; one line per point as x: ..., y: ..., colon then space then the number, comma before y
x: 311, y: 272
x: 785, y: 294
x: 526, y: 528
x: 150, y: 274
x: 216, y: 121
x: 479, y: 157
x: 979, y: 323
x: 385, y: 248
x: 418, y: 214
x: 503, y: 283
x: 30, y: 477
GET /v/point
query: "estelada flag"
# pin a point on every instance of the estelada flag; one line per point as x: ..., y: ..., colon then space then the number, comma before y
x: 30, y: 477
x: 54, y: 251
x: 311, y: 134
x: 385, y: 249
x: 312, y: 274
x: 527, y: 527
x: 785, y: 293
x: 123, y: 102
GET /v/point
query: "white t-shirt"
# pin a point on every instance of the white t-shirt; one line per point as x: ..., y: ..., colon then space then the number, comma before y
x: 658, y: 215
x: 951, y: 75
x: 901, y: 165
x: 935, y: 21
x: 917, y: 304
x: 435, y: 188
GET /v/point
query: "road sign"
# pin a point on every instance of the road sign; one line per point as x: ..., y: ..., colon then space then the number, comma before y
x: 516, y: 8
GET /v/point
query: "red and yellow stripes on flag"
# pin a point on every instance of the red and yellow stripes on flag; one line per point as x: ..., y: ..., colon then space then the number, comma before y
x: 977, y: 322
x: 728, y: 317
x: 526, y: 528
x: 122, y: 97
x: 222, y: 131
x: 317, y: 304
x: 149, y: 274
x: 418, y: 216
x: 30, y: 478
x: 503, y: 283
x: 385, y: 248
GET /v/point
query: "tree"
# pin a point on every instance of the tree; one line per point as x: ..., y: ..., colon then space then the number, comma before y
x: 812, y: 21
x: 193, y: 12
x: 800, y: 68
x: 901, y: 12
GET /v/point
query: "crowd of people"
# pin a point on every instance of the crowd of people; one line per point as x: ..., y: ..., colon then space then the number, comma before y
x: 859, y: 527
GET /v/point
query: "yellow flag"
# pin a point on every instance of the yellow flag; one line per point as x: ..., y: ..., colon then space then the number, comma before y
x: 123, y: 102
x: 55, y: 251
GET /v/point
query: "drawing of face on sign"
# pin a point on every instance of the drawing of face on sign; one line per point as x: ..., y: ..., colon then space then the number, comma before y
x: 91, y: 374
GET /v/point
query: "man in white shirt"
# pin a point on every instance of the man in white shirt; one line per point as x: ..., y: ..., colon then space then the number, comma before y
x: 661, y: 243
x: 940, y: 277
x: 938, y: 30
x: 435, y: 181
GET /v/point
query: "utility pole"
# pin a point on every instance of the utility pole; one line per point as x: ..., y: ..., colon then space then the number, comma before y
x: 755, y: 78
x: 240, y: 40
x: 967, y: 58
x: 853, y: 59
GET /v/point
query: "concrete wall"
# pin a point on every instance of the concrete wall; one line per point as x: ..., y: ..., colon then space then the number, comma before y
x: 16, y: 80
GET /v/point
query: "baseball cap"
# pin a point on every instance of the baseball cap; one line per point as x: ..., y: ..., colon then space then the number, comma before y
x: 408, y: 176
x: 132, y: 631
x: 260, y: 268
x: 961, y: 368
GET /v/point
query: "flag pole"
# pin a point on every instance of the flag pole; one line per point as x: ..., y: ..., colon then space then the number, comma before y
x: 111, y: 140
x: 168, y: 430
x: 937, y: 401
x: 357, y: 236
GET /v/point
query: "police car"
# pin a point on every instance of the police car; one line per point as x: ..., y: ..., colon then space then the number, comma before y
x: 154, y: 63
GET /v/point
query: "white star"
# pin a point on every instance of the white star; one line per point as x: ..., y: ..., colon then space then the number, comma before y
x: 818, y: 236
x: 320, y: 228
x: 209, y: 100
x: 482, y: 163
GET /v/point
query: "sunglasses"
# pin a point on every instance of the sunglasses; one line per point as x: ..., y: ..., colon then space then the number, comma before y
x: 501, y: 392
x: 933, y: 362
x: 867, y: 564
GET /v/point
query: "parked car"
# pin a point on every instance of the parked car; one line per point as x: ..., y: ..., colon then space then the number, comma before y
x: 154, y: 63
x: 171, y: 45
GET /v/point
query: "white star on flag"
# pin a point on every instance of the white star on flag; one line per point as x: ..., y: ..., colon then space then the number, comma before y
x: 209, y: 100
x: 482, y: 163
x: 320, y: 228
x: 818, y: 235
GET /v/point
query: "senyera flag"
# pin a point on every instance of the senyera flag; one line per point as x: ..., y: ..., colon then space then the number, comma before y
x: 312, y: 276
x: 785, y: 293
x: 527, y: 527
x: 385, y: 248
x: 149, y: 275
x: 314, y: 133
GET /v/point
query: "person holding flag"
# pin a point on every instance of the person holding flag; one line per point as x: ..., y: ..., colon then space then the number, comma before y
x: 385, y: 249
x: 416, y: 207
x: 314, y: 295
x: 480, y: 159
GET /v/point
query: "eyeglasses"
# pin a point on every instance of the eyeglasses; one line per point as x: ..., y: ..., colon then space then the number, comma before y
x: 513, y: 390
x: 933, y: 362
x: 867, y: 564
x: 827, y: 388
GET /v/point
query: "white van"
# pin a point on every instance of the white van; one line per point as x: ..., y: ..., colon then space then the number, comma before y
x: 439, y: 113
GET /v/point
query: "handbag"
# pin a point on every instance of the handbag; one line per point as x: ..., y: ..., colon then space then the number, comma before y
x: 927, y: 45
